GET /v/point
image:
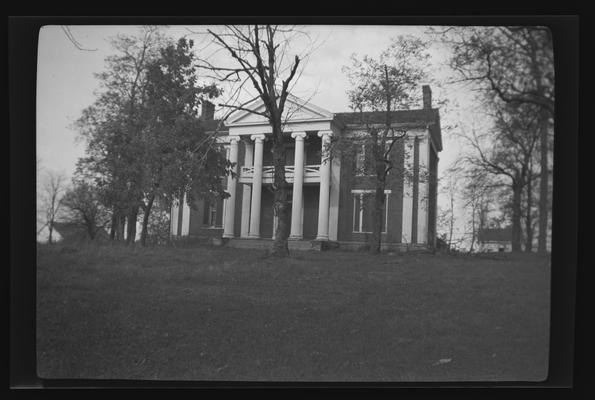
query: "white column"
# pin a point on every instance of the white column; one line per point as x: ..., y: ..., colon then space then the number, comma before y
x: 302, y: 216
x: 423, y: 192
x: 231, y: 189
x: 185, y: 216
x: 173, y: 219
x: 256, y: 187
x: 407, y: 192
x: 333, y: 215
x: 325, y: 180
x: 248, y: 162
x: 298, y: 182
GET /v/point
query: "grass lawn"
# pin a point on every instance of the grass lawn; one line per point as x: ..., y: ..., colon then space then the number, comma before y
x: 208, y: 313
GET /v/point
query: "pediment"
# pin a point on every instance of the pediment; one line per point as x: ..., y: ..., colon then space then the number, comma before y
x: 296, y: 110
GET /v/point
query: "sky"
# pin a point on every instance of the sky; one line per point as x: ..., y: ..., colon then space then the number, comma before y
x: 66, y: 82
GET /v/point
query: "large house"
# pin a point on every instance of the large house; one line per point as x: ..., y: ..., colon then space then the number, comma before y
x: 332, y: 193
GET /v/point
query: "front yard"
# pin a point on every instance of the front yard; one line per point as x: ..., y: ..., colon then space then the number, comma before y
x: 209, y: 313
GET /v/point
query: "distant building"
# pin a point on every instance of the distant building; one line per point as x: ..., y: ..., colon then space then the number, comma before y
x: 330, y: 201
x: 495, y: 239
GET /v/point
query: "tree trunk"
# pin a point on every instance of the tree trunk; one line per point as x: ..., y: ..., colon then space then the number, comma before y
x: 131, y: 231
x: 379, y: 147
x: 146, y: 215
x: 376, y: 238
x: 113, y: 227
x: 120, y: 226
x: 528, y: 217
x: 543, y: 183
x: 375, y: 241
x: 452, y: 220
x: 281, y: 204
x: 51, y: 229
x: 120, y: 223
x: 516, y: 216
x: 91, y: 228
x: 473, y: 230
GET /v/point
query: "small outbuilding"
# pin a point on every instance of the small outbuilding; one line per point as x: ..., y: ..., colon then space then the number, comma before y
x: 495, y: 239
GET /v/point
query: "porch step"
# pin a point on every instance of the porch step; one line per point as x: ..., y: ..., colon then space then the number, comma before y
x: 300, y: 245
x: 389, y: 247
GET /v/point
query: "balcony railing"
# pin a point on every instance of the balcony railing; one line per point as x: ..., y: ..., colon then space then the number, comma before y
x: 311, y: 173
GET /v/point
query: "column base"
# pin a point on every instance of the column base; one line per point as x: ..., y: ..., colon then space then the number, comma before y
x: 251, y: 236
x: 296, y: 237
x: 321, y: 238
x: 228, y: 236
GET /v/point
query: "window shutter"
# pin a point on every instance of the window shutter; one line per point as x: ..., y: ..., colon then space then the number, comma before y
x: 356, y: 210
x: 205, y: 211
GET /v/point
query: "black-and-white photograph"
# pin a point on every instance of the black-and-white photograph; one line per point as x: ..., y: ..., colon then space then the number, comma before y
x: 294, y: 203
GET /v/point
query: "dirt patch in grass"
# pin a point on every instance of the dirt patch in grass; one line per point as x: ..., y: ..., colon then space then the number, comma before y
x: 209, y: 313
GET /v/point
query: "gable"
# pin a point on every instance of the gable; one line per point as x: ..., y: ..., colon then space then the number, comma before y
x: 295, y: 110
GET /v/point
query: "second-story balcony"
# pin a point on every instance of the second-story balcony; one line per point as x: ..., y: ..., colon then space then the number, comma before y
x: 311, y: 174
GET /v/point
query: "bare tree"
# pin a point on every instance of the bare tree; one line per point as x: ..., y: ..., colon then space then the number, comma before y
x: 70, y: 36
x: 507, y: 152
x: 479, y: 195
x: 515, y: 65
x: 446, y: 217
x: 261, y: 60
x: 50, y: 205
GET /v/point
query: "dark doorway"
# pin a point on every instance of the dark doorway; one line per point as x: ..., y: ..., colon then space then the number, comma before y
x: 311, y: 211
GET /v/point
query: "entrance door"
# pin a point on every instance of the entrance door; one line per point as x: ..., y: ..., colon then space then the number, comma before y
x: 311, y: 211
x: 266, y: 213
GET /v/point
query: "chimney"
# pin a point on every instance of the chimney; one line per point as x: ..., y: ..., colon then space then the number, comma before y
x: 207, y: 110
x: 427, y: 96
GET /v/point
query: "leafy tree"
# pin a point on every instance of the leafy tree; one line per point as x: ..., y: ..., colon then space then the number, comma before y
x: 113, y: 126
x: 158, y: 226
x: 382, y: 86
x: 178, y: 156
x: 84, y: 203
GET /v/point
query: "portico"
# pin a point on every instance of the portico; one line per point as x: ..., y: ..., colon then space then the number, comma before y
x: 309, y: 163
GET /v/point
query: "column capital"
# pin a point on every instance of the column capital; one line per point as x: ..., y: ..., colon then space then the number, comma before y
x: 234, y: 139
x: 256, y: 138
x: 298, y: 135
x: 324, y: 134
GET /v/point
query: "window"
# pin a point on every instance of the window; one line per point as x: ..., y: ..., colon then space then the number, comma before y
x: 212, y: 213
x: 212, y: 216
x: 360, y: 160
x: 364, y: 160
x: 363, y: 203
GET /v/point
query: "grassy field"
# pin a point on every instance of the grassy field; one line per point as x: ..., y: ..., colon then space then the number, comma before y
x: 208, y: 313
